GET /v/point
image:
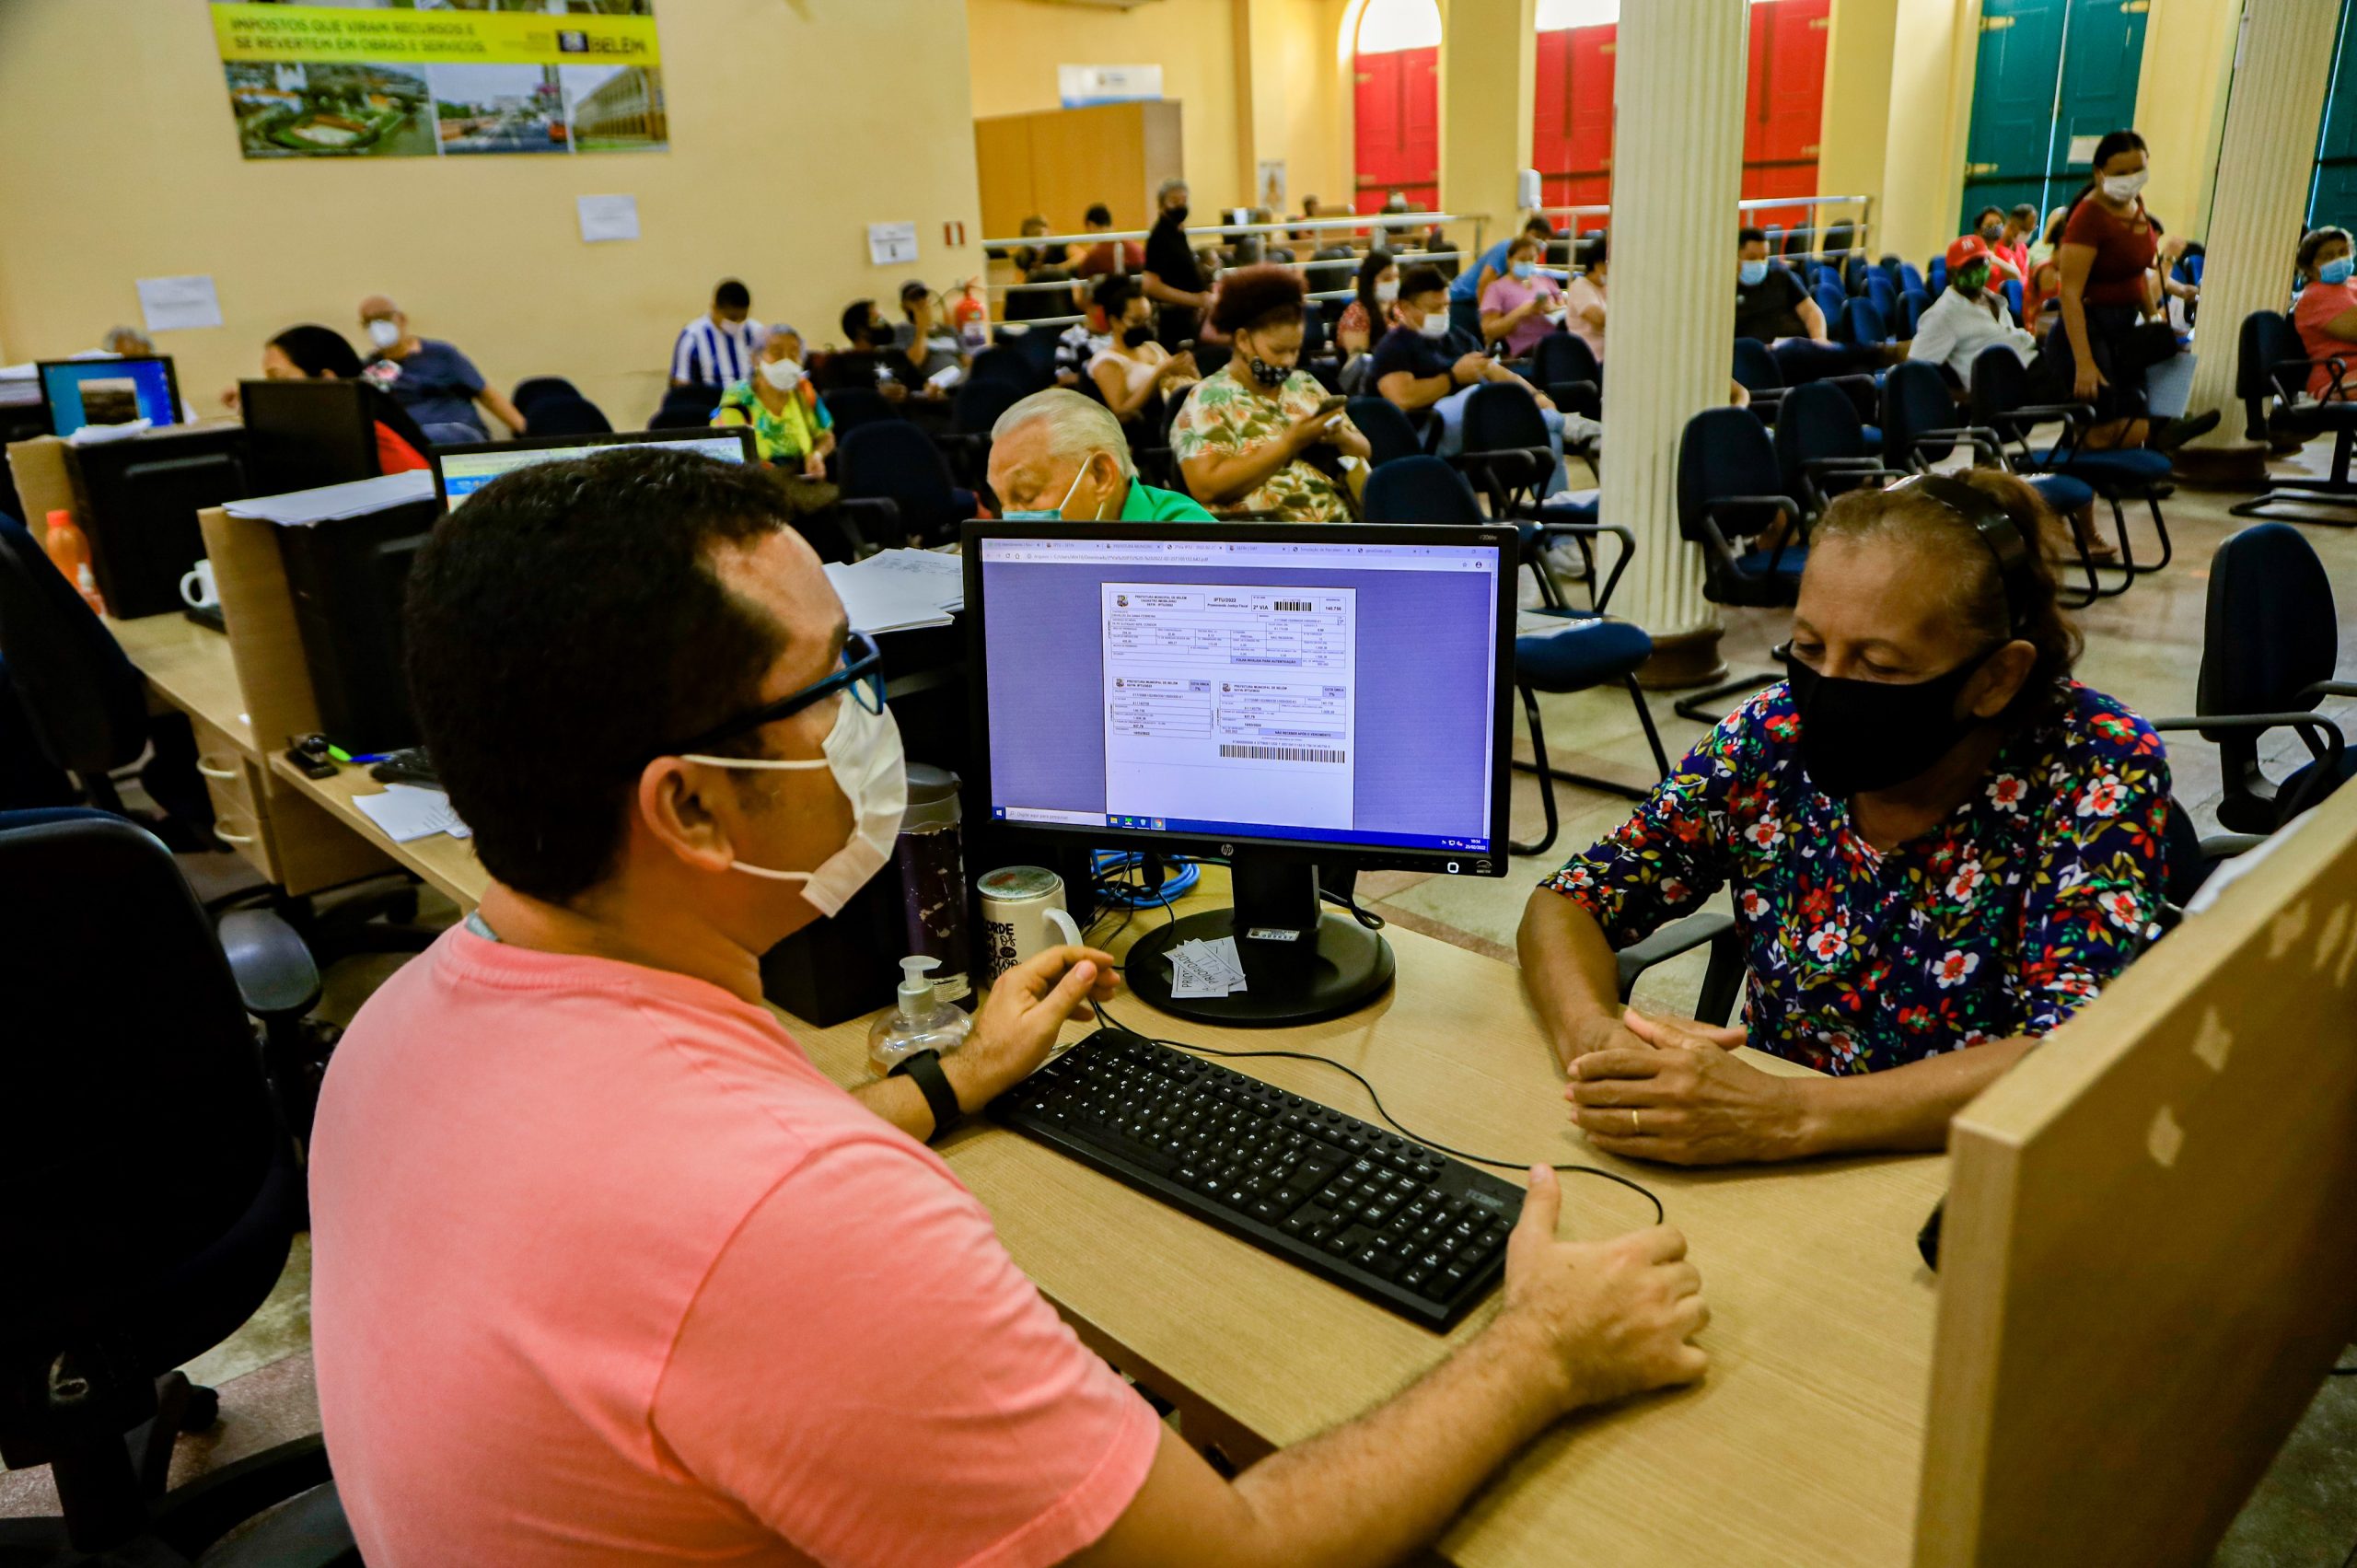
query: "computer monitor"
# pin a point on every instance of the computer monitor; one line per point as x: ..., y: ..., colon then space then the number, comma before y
x: 459, y: 471
x: 1290, y: 698
x: 304, y: 434
x: 76, y: 393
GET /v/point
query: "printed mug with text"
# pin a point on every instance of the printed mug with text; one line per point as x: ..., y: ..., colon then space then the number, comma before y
x: 1023, y: 916
x: 196, y: 587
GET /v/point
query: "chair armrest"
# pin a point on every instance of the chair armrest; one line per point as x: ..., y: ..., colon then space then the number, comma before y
x: 276, y: 976
x: 2323, y: 737
x: 2332, y: 689
x: 1598, y: 597
x: 1979, y: 437
x: 2074, y: 413
x: 868, y: 519
x: 1681, y: 936
x: 2226, y: 846
x: 1720, y: 503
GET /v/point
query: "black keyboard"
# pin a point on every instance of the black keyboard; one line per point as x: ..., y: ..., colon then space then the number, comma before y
x: 1407, y: 1228
x: 408, y: 765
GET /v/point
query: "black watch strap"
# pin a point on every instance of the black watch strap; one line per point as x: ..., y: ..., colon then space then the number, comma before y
x: 925, y: 1066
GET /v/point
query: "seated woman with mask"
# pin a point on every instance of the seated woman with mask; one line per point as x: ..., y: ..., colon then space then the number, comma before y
x: 1935, y: 840
x: 320, y: 354
x: 791, y: 426
x: 1243, y: 436
x: 1131, y: 369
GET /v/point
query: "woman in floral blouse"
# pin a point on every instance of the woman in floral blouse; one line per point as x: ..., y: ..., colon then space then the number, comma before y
x: 1934, y: 836
x: 1241, y: 437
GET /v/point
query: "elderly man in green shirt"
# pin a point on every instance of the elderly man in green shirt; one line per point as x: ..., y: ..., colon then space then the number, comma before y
x: 1059, y: 455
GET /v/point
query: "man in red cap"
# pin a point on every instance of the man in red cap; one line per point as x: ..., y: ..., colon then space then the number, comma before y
x: 1968, y: 315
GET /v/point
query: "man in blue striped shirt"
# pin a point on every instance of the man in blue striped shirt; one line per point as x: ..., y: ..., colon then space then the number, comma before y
x: 720, y: 346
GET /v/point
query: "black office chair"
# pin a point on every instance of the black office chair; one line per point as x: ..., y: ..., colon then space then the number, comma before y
x: 854, y: 408
x: 2001, y: 402
x: 1730, y: 491
x: 1559, y: 363
x: 894, y: 462
x: 1504, y: 449
x: 2271, y: 374
x: 85, y: 704
x: 1389, y: 434
x: 2270, y: 639
x: 126, y: 1256
x: 975, y: 412
x: 533, y: 389
x: 683, y: 408
x: 1822, y: 450
x: 1756, y: 372
x: 1010, y: 367
x: 558, y: 415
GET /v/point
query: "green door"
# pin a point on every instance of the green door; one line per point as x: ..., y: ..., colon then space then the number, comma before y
x: 2020, y: 63
x: 2333, y: 197
x: 2052, y: 77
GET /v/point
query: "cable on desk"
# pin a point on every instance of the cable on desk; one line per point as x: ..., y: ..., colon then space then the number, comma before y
x: 1660, y: 1214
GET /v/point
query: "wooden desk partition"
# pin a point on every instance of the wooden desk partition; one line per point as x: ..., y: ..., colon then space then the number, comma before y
x: 2151, y: 1249
x: 44, y: 481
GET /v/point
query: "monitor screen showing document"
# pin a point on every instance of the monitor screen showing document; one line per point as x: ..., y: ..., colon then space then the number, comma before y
x: 462, y: 470
x: 83, y: 392
x: 1341, y: 693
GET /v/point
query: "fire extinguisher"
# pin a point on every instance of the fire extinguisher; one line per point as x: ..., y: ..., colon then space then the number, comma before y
x: 968, y: 317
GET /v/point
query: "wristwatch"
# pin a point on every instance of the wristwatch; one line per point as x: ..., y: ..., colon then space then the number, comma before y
x: 925, y: 1067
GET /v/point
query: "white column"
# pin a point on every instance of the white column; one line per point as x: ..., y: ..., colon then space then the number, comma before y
x: 2265, y: 162
x: 1676, y: 174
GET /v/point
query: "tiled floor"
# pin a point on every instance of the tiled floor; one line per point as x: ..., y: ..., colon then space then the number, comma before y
x: 2143, y: 649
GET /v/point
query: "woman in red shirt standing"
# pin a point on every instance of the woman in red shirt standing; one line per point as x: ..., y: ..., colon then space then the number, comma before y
x: 2112, y: 327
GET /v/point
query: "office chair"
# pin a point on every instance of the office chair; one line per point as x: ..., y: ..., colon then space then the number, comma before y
x: 2001, y: 402
x: 894, y: 462
x: 1036, y: 347
x: 1853, y: 273
x: 1911, y: 280
x: 1914, y: 303
x: 1798, y: 240
x: 555, y: 414
x: 853, y: 407
x: 533, y: 388
x: 1505, y: 448
x: 1883, y: 293
x: 2270, y: 638
x: 1389, y: 433
x: 127, y: 1257
x: 1864, y: 324
x: 1834, y: 305
x: 1822, y: 448
x: 1039, y: 304
x: 2013, y: 287
x: 1756, y: 370
x: 1009, y: 367
x: 1730, y: 491
x: 1562, y: 361
x: 2271, y: 373
x: 974, y: 410
x: 683, y: 408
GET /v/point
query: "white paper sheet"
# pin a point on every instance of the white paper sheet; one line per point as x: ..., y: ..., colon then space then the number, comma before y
x: 172, y: 304
x: 892, y: 244
x: 301, y: 508
x: 409, y: 811
x: 887, y: 600
x: 607, y: 218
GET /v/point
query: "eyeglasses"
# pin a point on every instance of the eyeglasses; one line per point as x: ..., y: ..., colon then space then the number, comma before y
x: 861, y: 673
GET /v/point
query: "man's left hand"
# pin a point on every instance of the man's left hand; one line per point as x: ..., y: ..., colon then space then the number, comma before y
x: 1686, y: 1100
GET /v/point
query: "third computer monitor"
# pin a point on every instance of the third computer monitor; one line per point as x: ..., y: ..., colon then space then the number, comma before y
x: 459, y: 471
x: 82, y: 393
x: 1279, y: 696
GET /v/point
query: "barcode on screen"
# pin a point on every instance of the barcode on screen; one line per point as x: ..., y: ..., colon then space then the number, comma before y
x: 1283, y: 754
x: 1295, y: 604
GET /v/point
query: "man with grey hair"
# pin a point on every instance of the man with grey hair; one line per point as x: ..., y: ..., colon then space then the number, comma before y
x: 436, y: 384
x: 1174, y: 279
x: 1058, y: 456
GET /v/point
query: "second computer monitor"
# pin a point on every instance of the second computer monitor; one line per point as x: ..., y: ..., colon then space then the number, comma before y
x: 77, y: 393
x: 302, y: 434
x: 459, y: 471
x: 1279, y: 696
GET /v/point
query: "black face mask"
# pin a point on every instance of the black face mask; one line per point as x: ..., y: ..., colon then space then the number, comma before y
x: 1993, y: 234
x: 1136, y: 335
x: 1268, y: 374
x: 1866, y: 734
x: 1174, y: 217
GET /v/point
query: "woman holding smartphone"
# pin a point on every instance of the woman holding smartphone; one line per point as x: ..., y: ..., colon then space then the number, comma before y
x: 1245, y: 437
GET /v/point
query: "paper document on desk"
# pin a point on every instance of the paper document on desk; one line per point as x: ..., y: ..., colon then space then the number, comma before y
x: 100, y: 435
x: 1206, y: 969
x: 408, y: 811
x: 943, y: 576
x: 301, y: 508
x: 891, y: 600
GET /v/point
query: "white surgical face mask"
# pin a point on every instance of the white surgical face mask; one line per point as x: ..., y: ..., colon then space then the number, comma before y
x: 2123, y: 186
x: 383, y: 332
x: 1434, y: 325
x: 862, y: 750
x: 783, y: 373
x: 1387, y: 293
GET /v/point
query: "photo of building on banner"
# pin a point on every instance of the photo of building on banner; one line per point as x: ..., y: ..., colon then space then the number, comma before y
x: 392, y: 78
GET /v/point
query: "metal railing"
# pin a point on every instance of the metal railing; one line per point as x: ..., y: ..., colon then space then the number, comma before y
x: 1860, y: 226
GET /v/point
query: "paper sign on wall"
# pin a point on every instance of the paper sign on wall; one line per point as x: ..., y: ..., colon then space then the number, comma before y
x: 892, y: 244
x: 607, y: 218
x: 1080, y: 86
x: 171, y: 304
x: 2082, y: 149
x: 1272, y: 184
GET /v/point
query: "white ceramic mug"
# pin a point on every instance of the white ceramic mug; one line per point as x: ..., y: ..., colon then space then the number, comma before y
x: 1023, y: 916
x: 197, y: 588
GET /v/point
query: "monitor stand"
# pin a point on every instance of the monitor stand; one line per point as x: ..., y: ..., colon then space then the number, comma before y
x: 1301, y: 961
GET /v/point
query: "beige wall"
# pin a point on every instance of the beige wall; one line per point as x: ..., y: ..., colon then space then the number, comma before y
x: 2181, y: 105
x: 483, y: 250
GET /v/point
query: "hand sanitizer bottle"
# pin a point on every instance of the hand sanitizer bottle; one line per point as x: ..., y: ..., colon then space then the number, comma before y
x: 921, y: 1022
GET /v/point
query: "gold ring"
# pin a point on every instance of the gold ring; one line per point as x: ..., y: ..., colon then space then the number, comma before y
x: 1636, y: 1124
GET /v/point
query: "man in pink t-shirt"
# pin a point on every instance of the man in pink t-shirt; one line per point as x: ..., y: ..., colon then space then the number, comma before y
x: 606, y: 1272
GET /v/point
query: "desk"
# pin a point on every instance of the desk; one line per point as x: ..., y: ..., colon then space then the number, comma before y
x: 1802, y: 1448
x: 447, y: 865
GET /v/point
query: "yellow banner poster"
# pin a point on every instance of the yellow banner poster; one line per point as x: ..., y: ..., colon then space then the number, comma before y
x: 381, y: 78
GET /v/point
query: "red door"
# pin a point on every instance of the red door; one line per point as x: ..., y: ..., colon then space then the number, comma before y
x: 1587, y: 172
x: 1397, y: 129
x: 1785, y: 104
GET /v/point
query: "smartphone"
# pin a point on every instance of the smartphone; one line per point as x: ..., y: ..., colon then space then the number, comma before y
x: 1329, y: 404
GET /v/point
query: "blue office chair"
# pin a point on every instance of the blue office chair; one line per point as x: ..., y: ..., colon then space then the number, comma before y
x: 2272, y: 371
x: 1890, y: 267
x: 1884, y: 292
x: 2013, y: 287
x: 1863, y: 325
x: 1730, y: 491
x: 555, y: 414
x: 1822, y: 448
x: 129, y: 1046
x: 1389, y: 433
x: 1913, y: 306
x: 533, y: 388
x: 2001, y: 402
x: 1935, y: 274
x: 1036, y: 348
x: 1013, y: 368
x: 2270, y: 639
x: 1561, y: 361
x: 1834, y: 305
x: 1506, y: 449
x: 1911, y: 280
x: 853, y: 407
x: 1755, y: 369
x: 893, y: 461
x: 974, y: 410
x: 1420, y: 488
x: 1855, y: 269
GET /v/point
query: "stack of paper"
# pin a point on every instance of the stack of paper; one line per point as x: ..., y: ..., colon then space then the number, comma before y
x: 410, y: 811
x: 898, y: 590
x: 1206, y: 969
x: 325, y: 504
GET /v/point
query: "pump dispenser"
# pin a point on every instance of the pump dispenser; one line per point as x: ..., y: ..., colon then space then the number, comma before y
x: 921, y: 1020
